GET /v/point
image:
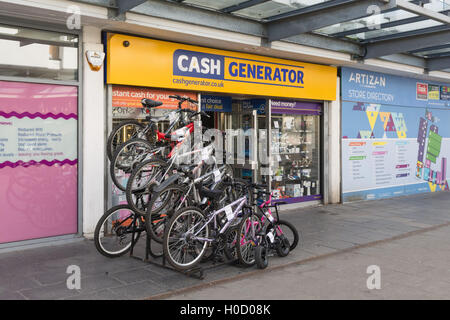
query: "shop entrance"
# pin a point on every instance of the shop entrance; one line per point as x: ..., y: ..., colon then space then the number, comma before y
x: 241, y: 119
x: 286, y: 132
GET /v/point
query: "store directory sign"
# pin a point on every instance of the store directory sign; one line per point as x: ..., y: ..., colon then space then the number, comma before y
x: 395, y: 140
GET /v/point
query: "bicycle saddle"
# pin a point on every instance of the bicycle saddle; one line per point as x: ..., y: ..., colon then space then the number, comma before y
x: 149, y: 103
x: 187, y: 169
x: 214, y: 195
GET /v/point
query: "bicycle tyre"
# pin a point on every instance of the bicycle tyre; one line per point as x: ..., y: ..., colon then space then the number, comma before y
x: 261, y: 257
x: 294, y: 231
x: 98, y: 228
x: 168, y: 236
x: 131, y: 193
x: 126, y: 168
x: 156, y: 219
x: 230, y: 247
x: 245, y: 247
x: 110, y: 148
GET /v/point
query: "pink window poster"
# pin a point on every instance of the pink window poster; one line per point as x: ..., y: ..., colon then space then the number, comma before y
x: 38, y: 161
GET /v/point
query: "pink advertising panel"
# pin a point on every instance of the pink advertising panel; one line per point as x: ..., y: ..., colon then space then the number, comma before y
x: 38, y: 160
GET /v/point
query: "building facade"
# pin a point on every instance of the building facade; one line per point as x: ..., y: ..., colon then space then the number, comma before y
x: 348, y: 129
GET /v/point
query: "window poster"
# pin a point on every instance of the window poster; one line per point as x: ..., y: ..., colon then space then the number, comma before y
x: 38, y: 160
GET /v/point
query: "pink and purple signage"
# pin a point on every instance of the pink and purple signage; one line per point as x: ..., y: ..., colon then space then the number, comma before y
x: 296, y: 107
x: 38, y: 160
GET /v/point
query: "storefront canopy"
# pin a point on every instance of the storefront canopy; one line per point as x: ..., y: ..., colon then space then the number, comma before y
x: 365, y: 28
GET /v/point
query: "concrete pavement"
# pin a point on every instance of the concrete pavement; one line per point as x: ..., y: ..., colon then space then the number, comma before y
x: 413, y: 267
x: 40, y: 273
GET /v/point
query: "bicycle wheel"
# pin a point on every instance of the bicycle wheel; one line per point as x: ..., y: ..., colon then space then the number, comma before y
x: 127, y: 157
x: 249, y: 229
x: 113, y: 232
x: 230, y: 247
x: 261, y: 258
x: 183, y: 243
x: 161, y: 207
x: 143, y: 176
x: 126, y: 130
x: 286, y: 231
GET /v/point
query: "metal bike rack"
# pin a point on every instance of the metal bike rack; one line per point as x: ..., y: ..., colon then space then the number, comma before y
x: 196, y: 272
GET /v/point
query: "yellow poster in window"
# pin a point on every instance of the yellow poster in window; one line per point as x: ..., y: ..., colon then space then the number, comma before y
x: 433, y: 92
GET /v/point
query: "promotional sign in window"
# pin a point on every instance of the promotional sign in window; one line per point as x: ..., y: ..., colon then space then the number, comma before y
x: 126, y: 101
x: 395, y: 142
x: 296, y: 107
x: 38, y: 160
x: 433, y: 92
x: 422, y: 91
x: 254, y: 104
x: 216, y: 103
x: 445, y: 92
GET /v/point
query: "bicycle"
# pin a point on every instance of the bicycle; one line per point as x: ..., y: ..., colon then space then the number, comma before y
x: 152, y: 172
x: 139, y: 130
x: 188, y: 184
x: 131, y: 153
x: 254, y: 230
x: 277, y: 235
x: 190, y: 230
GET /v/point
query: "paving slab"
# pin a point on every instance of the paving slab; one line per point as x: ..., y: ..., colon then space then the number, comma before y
x: 344, y: 276
x: 327, y: 231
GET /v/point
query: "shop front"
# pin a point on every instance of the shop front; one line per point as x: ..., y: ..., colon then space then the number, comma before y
x: 276, y: 105
x: 39, y: 141
x: 395, y: 137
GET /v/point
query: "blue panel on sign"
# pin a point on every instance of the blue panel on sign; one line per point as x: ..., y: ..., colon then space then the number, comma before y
x: 216, y: 103
x: 198, y: 64
x: 255, y: 104
x: 375, y: 87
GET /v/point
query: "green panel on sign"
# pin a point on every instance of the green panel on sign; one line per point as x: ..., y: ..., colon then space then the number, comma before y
x: 357, y: 158
x: 434, y: 151
x: 431, y: 157
x: 435, y: 136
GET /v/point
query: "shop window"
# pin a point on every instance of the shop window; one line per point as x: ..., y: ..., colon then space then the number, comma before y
x: 296, y: 149
x: 32, y: 53
x: 38, y: 160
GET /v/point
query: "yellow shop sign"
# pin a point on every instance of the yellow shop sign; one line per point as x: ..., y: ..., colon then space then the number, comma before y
x: 153, y: 63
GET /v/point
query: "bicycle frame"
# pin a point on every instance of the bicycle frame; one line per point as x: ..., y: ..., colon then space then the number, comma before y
x: 268, y: 214
x: 241, y: 202
x: 152, y: 123
x: 197, y: 180
x: 195, y: 171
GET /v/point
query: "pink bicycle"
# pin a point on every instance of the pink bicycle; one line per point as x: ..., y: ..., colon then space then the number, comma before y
x: 260, y: 233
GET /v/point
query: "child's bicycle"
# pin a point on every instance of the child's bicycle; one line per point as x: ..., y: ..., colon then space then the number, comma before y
x: 277, y: 235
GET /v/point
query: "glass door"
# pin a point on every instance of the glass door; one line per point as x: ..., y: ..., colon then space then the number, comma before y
x: 245, y: 126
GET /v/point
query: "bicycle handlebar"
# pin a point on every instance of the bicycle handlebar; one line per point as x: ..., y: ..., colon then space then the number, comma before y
x: 183, y: 99
x: 258, y: 186
x: 201, y: 113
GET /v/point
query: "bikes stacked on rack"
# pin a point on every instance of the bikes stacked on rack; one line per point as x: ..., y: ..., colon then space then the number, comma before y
x: 195, y: 209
